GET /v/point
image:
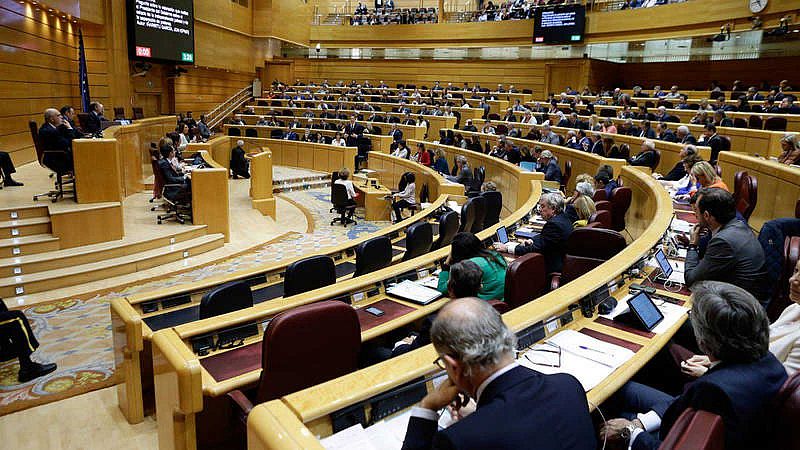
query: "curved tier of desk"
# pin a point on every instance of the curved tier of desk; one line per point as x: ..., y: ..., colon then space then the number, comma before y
x: 136, y: 317
x: 296, y: 420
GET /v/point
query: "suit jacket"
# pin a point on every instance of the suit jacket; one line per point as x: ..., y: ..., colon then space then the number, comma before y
x: 689, y: 139
x: 171, y: 177
x: 94, y: 123
x: 734, y: 256
x: 55, y: 138
x: 739, y: 393
x: 676, y: 173
x: 716, y: 146
x: 649, y: 133
x: 551, y: 242
x: 552, y: 172
x: 645, y: 158
x: 521, y: 408
x: 397, y: 135
x: 668, y: 136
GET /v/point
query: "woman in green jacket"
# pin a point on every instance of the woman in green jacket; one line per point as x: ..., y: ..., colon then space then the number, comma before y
x: 468, y: 246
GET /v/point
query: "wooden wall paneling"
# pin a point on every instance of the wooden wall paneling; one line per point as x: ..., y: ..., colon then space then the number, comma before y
x: 83, y: 226
x: 223, y: 48
x: 228, y: 14
x: 200, y: 90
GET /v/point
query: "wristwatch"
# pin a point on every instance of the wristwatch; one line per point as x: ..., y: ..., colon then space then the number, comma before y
x: 626, y: 432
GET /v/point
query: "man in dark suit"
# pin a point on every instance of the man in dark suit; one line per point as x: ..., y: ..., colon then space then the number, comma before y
x: 177, y: 187
x: 516, y: 406
x: 396, y: 133
x: 742, y: 379
x: 17, y: 341
x: 509, y: 116
x: 352, y: 131
x: 647, y: 156
x: 664, y: 133
x: 733, y: 254
x: 647, y: 131
x: 55, y: 135
x: 711, y: 139
x: 95, y: 119
x: 239, y: 164
x: 685, y: 136
x: 470, y: 127
x: 68, y: 116
x: 551, y: 242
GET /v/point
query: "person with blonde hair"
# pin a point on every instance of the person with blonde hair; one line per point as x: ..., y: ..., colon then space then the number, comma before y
x: 791, y: 150
x: 585, y: 208
x: 705, y: 175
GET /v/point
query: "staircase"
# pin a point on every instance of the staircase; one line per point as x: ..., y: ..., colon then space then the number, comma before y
x: 217, y: 116
x: 32, y: 261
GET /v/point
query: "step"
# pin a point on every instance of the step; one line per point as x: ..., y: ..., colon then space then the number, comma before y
x: 23, y: 212
x: 300, y: 186
x: 24, y: 227
x: 100, y: 270
x: 302, y: 179
x: 39, y: 262
x: 28, y: 245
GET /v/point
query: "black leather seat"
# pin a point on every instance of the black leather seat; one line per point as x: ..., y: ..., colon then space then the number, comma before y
x: 250, y: 132
x: 419, y: 238
x: 448, y: 227
x: 373, y: 254
x: 468, y: 215
x: 234, y: 132
x: 228, y: 298
x: 308, y: 274
x: 494, y: 204
x: 480, y: 214
x: 341, y: 204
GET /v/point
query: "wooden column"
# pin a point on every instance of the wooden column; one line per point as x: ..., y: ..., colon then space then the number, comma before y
x: 261, y: 183
x: 440, y: 12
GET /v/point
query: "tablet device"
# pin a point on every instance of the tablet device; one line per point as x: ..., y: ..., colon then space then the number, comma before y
x: 645, y: 311
x: 663, y: 263
x: 502, y: 235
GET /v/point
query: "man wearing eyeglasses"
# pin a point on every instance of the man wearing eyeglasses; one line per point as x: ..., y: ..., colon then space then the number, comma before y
x: 516, y: 407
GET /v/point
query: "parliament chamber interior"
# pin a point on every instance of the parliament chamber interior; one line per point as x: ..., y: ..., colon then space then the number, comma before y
x: 328, y: 224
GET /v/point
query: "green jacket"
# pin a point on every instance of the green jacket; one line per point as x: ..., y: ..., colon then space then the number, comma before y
x: 493, y: 282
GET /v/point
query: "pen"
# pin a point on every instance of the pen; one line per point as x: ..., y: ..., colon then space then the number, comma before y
x: 583, y: 347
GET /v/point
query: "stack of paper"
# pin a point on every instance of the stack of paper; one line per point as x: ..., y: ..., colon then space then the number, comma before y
x: 412, y: 291
x: 588, y: 359
x: 681, y: 225
x: 353, y: 438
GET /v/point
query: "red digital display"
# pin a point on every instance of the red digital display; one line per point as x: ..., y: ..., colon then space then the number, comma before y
x: 143, y: 52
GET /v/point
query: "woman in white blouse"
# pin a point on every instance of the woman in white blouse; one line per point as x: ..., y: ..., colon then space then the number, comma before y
x: 184, y: 138
x: 338, y: 140
x: 401, y: 151
x: 406, y: 197
x: 784, y: 336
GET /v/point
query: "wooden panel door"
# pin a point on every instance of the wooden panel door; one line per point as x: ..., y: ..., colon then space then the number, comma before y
x: 281, y: 71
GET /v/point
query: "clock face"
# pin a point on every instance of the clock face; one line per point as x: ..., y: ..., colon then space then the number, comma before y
x: 756, y: 6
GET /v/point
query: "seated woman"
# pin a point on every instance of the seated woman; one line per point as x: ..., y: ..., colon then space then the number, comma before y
x: 440, y: 163
x: 338, y: 140
x: 784, y: 336
x: 344, y: 175
x: 604, y: 179
x: 466, y: 246
x: 706, y: 177
x: 422, y: 156
x: 584, y: 208
x: 406, y: 197
x: 583, y: 188
x: 791, y: 150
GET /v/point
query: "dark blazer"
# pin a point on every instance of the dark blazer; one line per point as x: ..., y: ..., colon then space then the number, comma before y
x: 238, y: 161
x: 739, y: 393
x: 734, y: 256
x: 520, y: 409
x: 649, y: 133
x: 171, y: 177
x: 552, y: 172
x: 94, y: 123
x: 716, y: 146
x: 668, y: 136
x: 676, y: 173
x: 551, y: 242
x: 689, y: 139
x: 645, y: 158
x: 397, y: 135
x: 55, y: 138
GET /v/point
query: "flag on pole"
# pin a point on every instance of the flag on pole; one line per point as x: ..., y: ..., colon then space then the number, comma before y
x: 83, y: 74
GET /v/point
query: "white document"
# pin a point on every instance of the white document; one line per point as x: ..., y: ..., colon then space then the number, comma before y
x: 588, y: 359
x: 431, y: 281
x: 452, y: 204
x: 353, y: 438
x: 414, y: 292
x: 682, y: 225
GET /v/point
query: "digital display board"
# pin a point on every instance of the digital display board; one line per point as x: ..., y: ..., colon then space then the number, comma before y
x: 559, y: 24
x: 161, y: 30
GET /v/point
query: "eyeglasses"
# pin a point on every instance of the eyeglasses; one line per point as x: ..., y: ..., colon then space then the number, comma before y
x: 543, y: 356
x: 439, y: 362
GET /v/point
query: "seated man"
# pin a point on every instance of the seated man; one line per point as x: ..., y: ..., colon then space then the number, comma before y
x: 732, y: 329
x: 17, y: 341
x: 95, y: 119
x: 551, y: 242
x: 239, y: 164
x: 516, y: 407
x: 55, y: 134
x: 7, y: 166
x: 549, y: 165
x: 647, y: 156
x: 733, y: 254
x: 177, y: 187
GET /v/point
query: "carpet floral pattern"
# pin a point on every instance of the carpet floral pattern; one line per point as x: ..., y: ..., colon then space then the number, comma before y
x: 76, y: 333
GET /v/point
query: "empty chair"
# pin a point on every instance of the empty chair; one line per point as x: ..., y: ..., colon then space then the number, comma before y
x: 738, y: 122
x: 696, y: 430
x: 786, y: 433
x: 493, y: 116
x: 607, y: 112
x: 275, y: 134
x: 303, y: 347
x: 775, y: 124
x: 600, y: 194
x: 526, y: 280
x: 250, y: 132
x: 494, y: 204
x: 620, y: 202
x: 600, y: 219
x: 234, y: 131
x: 467, y: 215
x: 480, y: 214
x: 755, y: 122
x: 501, y: 129
x: 419, y: 238
x: 119, y: 113
x: 574, y: 267
x: 602, y: 205
x: 595, y: 243
x: 745, y: 193
x: 373, y: 254
x: 656, y: 160
x: 227, y: 298
x: 138, y: 113
x: 448, y: 227
x: 308, y: 274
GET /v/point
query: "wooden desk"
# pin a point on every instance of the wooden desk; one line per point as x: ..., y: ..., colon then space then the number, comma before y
x: 210, y: 203
x: 372, y: 199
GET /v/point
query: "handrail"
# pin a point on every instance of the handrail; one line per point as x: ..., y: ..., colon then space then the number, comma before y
x: 224, y: 109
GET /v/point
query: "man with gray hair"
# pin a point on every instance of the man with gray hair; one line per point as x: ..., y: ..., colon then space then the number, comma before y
x: 548, y: 137
x: 239, y: 164
x: 516, y: 407
x: 685, y: 136
x: 732, y: 329
x: 549, y: 165
x: 551, y: 242
x: 646, y: 157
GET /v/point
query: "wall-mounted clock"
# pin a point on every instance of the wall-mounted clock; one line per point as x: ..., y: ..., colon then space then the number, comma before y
x: 756, y: 6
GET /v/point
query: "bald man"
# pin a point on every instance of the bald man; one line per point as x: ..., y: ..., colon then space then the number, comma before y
x: 56, y: 134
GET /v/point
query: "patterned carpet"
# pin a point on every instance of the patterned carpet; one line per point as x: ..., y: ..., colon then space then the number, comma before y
x: 76, y: 333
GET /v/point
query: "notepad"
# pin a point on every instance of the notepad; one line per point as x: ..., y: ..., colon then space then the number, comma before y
x: 588, y: 359
x: 414, y: 292
x: 681, y: 226
x: 431, y: 281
